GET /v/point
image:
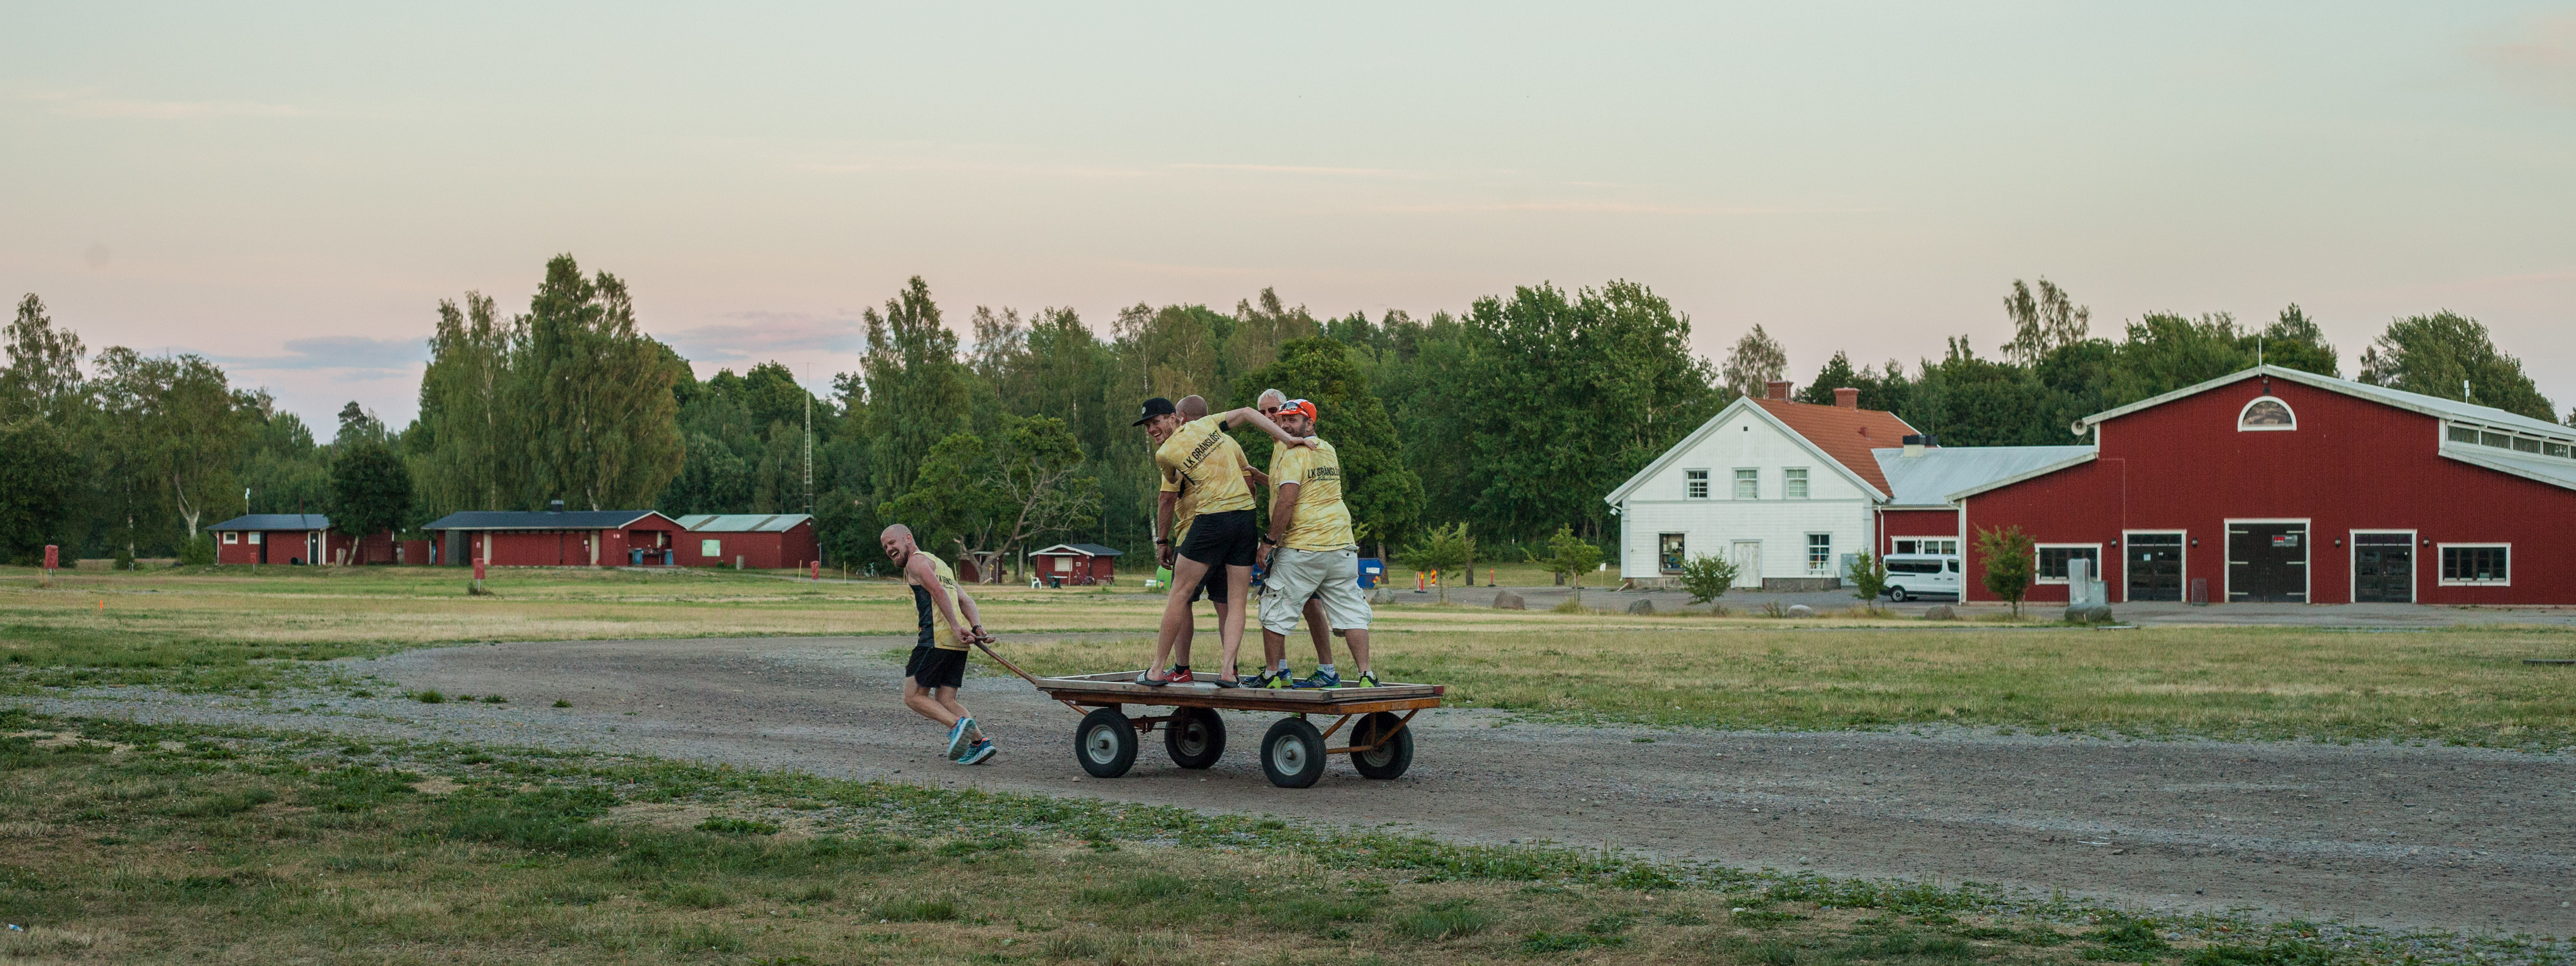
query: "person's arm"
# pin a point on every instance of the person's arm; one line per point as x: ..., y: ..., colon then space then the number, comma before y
x: 975, y: 621
x: 1283, y: 512
x: 1253, y: 417
x: 1256, y: 477
x: 1163, y: 526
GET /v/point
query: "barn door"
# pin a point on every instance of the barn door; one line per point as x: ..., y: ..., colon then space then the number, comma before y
x: 2267, y: 562
x: 2155, y: 566
x: 2383, y: 568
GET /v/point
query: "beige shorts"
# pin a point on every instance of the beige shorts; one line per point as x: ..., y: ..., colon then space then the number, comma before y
x: 1330, y: 575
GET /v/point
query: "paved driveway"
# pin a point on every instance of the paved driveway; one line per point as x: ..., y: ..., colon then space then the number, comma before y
x: 2157, y: 614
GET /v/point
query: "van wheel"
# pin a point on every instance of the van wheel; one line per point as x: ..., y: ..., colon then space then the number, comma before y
x: 1896, y: 594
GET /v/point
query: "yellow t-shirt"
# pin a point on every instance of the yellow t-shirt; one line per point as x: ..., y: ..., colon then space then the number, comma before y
x: 1321, y: 521
x: 1201, y: 452
x: 1184, y: 509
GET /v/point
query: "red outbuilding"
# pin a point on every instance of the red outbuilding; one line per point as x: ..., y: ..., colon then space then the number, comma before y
x: 295, y: 538
x: 1075, y: 565
x: 2273, y: 484
x: 759, y: 541
x: 557, y: 538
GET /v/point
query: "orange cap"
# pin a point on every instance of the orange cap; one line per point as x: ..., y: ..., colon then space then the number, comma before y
x: 1304, y: 407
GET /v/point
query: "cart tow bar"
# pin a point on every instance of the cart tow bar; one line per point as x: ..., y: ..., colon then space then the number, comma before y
x: 1024, y: 675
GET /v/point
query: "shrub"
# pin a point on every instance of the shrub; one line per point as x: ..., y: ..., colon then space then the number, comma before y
x: 1707, y: 577
x: 198, y: 552
x: 1868, y: 575
x: 2004, y: 553
x: 429, y: 697
x: 124, y: 557
x: 1572, y: 556
x: 1442, y: 550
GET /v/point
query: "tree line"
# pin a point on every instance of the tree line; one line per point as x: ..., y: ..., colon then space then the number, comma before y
x: 1508, y: 419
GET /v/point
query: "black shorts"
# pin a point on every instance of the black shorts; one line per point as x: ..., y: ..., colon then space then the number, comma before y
x: 1211, y: 587
x: 1225, y: 539
x: 936, y: 667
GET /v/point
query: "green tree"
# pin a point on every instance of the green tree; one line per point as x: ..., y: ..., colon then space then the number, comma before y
x: 1572, y: 556
x: 370, y: 489
x: 948, y: 504
x: 2005, y: 556
x: 1707, y: 577
x: 918, y: 394
x: 603, y: 426
x: 1037, y: 484
x: 1443, y: 549
x: 1756, y: 359
x: 2044, y: 323
x: 43, y: 380
x: 2449, y: 355
x: 1383, y: 495
x: 40, y: 482
x: 470, y: 428
x: 173, y: 423
x: 1868, y: 575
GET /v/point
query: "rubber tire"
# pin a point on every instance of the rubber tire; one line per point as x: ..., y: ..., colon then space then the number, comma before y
x: 1195, y: 737
x: 1105, y: 743
x: 1896, y: 594
x: 1301, y: 746
x: 1388, y: 760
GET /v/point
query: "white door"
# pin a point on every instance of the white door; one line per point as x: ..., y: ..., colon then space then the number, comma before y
x: 1747, y: 557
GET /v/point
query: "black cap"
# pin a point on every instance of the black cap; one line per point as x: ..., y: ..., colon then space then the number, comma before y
x: 1157, y: 406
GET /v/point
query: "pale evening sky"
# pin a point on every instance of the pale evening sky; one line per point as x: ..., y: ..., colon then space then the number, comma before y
x: 291, y: 190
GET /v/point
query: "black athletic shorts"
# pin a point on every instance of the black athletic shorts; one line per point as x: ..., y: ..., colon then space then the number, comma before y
x: 1224, y: 539
x: 936, y: 667
x: 1211, y: 587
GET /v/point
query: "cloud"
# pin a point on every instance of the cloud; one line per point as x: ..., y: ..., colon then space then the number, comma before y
x: 350, y: 352
x: 757, y: 337
x: 1615, y: 208
x: 2540, y: 59
x: 89, y: 103
x: 1301, y: 169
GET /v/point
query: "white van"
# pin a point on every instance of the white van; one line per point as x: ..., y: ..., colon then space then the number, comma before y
x: 1911, y: 575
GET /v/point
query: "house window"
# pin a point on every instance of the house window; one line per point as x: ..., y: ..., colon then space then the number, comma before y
x: 2463, y: 434
x: 2481, y: 564
x: 1748, y: 485
x: 2497, y: 440
x: 2554, y: 449
x: 1906, y: 546
x: 1793, y: 483
x: 2053, y: 559
x: 1695, y: 484
x: 1927, y: 546
x: 1820, y: 553
x: 230, y: 537
x: 1668, y: 553
x: 710, y: 548
x: 2266, y: 412
x: 254, y: 536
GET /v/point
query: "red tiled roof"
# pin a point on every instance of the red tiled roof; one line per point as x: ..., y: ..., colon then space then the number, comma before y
x: 1847, y: 435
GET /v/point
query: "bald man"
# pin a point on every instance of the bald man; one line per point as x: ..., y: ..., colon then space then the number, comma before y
x: 938, y: 665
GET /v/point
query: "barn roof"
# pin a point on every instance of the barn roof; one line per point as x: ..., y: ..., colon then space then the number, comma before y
x: 742, y: 522
x: 276, y: 521
x: 539, y: 520
x: 2435, y: 406
x: 1933, y: 477
x: 1847, y: 435
x: 1085, y: 549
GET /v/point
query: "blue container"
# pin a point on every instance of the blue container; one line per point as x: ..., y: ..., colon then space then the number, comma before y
x: 666, y: 558
x: 635, y: 558
x: 1371, y: 569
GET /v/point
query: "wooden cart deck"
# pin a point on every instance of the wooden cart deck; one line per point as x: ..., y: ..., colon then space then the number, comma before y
x: 1120, y: 688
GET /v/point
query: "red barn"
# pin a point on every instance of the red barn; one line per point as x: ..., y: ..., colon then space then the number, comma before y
x: 2278, y: 485
x: 759, y: 541
x: 556, y: 538
x: 294, y: 538
x: 1075, y: 565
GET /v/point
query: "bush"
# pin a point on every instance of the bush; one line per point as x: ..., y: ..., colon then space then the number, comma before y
x: 124, y: 557
x: 1868, y: 576
x: 198, y: 552
x: 1443, y: 549
x: 1707, y: 577
x: 2004, y: 553
x: 429, y: 697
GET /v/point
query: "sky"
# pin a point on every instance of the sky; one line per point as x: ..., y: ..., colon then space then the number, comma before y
x: 291, y: 190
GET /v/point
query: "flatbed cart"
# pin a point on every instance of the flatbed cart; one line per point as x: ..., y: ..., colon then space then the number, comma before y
x: 1292, y: 753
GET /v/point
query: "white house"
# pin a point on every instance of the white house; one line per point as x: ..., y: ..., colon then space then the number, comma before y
x: 1787, y: 490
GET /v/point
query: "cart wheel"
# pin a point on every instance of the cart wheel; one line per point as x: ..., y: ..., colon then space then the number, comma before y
x: 1105, y: 743
x: 1292, y: 754
x: 1195, y: 737
x: 1394, y: 751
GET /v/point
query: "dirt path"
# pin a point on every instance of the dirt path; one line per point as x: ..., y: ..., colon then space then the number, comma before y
x: 2452, y: 838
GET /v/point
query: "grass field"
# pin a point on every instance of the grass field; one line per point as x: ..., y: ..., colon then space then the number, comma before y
x: 134, y: 843
x: 223, y: 632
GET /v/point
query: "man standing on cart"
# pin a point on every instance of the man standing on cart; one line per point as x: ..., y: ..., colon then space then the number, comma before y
x: 1184, y: 504
x: 938, y: 665
x: 1310, y: 550
x: 1200, y: 452
x: 1274, y: 669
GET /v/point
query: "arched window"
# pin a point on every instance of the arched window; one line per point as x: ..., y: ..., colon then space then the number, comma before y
x: 2266, y: 413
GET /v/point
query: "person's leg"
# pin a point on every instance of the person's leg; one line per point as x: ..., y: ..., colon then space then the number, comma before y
x: 1238, y: 588
x: 1357, y: 641
x: 947, y: 698
x: 1348, y: 609
x: 1321, y: 628
x: 1176, y: 610
x: 926, y: 704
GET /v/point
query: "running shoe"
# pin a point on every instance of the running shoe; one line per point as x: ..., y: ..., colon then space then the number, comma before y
x: 1320, y: 679
x: 957, y: 743
x: 981, y: 753
x: 1182, y: 676
x: 1274, y: 679
x: 1365, y: 680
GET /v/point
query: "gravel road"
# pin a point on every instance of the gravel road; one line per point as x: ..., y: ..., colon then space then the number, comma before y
x: 2452, y: 838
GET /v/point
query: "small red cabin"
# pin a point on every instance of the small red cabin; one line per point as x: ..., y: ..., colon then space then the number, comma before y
x: 1074, y: 565
x: 556, y: 538
x: 295, y: 538
x: 757, y: 541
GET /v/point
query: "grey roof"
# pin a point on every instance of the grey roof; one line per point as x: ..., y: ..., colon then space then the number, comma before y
x: 1932, y: 479
x: 1086, y: 549
x: 275, y: 521
x: 2553, y: 471
x: 2435, y: 406
x: 538, y: 520
x: 742, y: 522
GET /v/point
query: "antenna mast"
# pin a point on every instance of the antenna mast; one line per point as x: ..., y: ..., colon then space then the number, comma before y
x: 809, y: 452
